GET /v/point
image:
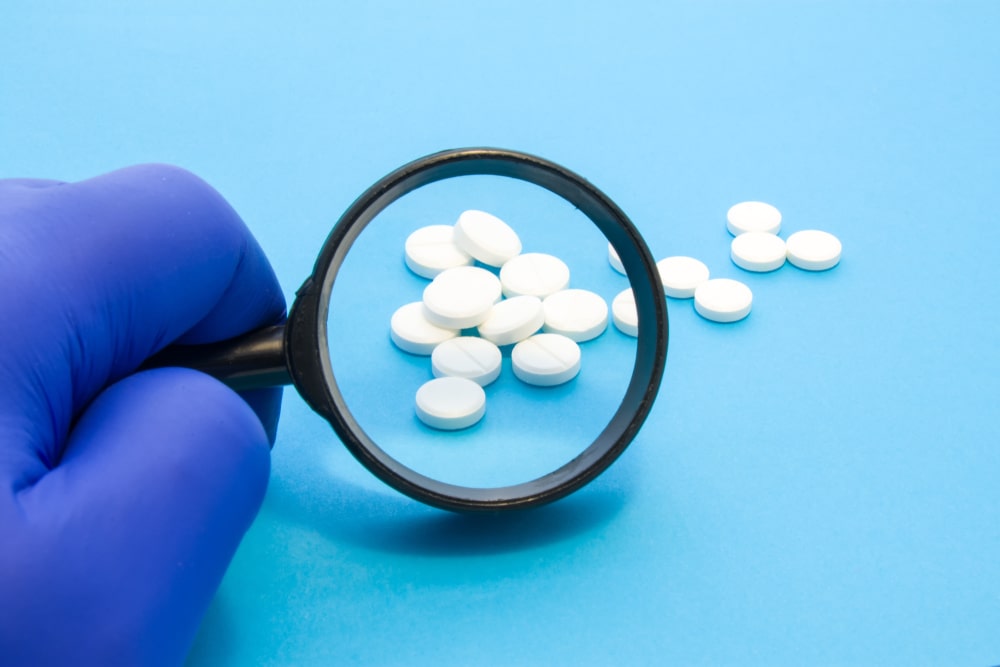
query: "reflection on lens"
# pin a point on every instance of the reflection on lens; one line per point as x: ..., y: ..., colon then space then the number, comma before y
x: 528, y: 429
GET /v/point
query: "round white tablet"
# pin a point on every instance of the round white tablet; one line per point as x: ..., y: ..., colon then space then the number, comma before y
x: 546, y: 360
x: 513, y: 320
x: 758, y: 251
x: 624, y: 313
x: 813, y: 250
x: 723, y: 300
x: 681, y: 275
x: 450, y: 403
x: 753, y: 216
x: 578, y: 314
x: 461, y: 298
x: 486, y: 237
x: 534, y: 274
x: 430, y: 250
x: 467, y: 357
x: 615, y: 260
x: 411, y: 332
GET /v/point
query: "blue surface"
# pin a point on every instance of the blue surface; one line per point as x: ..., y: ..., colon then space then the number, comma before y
x: 816, y: 484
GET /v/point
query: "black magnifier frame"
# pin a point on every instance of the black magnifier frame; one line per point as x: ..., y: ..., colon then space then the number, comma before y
x: 299, y: 351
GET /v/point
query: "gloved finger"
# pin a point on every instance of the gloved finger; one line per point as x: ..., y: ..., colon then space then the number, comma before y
x: 162, y: 476
x: 267, y: 404
x: 102, y: 273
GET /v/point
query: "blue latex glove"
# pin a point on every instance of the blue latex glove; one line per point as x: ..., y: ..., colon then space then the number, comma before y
x: 123, y: 494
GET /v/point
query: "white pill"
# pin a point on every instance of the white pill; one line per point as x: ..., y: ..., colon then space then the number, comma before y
x: 624, y: 313
x: 467, y: 357
x: 680, y: 275
x: 460, y: 298
x: 546, y: 360
x: 411, y: 332
x: 723, y: 300
x: 813, y: 250
x: 534, y: 274
x: 578, y: 314
x: 758, y: 251
x: 486, y: 237
x: 430, y: 250
x: 753, y: 216
x: 450, y: 403
x: 615, y: 260
x: 513, y: 320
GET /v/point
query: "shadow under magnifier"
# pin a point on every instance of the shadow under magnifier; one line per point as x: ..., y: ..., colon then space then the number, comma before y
x: 527, y: 431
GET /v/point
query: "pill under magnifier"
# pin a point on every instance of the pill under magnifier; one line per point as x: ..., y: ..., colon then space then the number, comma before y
x: 432, y: 249
x: 813, y: 250
x: 615, y: 260
x: 512, y: 320
x: 546, y: 360
x: 461, y: 298
x: 486, y: 237
x: 723, y: 300
x: 624, y: 313
x: 470, y: 357
x: 758, y: 251
x: 681, y: 275
x: 753, y: 216
x: 450, y: 403
x: 412, y: 332
x: 534, y: 274
x: 578, y: 314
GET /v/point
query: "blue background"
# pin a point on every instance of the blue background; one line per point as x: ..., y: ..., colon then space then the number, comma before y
x: 816, y: 485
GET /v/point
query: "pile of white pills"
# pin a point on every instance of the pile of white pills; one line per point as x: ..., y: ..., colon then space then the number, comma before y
x: 755, y: 247
x: 484, y: 295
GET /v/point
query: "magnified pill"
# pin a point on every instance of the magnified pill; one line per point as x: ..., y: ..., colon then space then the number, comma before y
x: 578, y: 314
x: 546, y: 360
x: 534, y: 274
x: 758, y: 251
x: 615, y: 260
x: 486, y: 237
x: 411, y: 332
x: 450, y: 403
x: 680, y: 275
x: 461, y: 298
x: 723, y: 300
x: 753, y: 216
x: 624, y: 314
x: 513, y: 320
x: 813, y: 250
x: 430, y: 250
x: 468, y: 357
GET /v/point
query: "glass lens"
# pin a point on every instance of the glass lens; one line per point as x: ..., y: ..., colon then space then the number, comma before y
x: 527, y: 430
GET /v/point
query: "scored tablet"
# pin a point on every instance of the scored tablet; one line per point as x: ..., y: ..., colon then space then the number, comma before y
x: 430, y: 250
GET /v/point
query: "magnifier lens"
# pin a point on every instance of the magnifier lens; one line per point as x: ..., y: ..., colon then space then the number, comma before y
x: 535, y: 444
x: 527, y: 431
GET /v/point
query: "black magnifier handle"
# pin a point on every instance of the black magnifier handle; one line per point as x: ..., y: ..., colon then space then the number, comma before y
x: 251, y: 361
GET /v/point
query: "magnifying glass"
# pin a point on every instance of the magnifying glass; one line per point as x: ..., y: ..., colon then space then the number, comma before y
x: 536, y: 444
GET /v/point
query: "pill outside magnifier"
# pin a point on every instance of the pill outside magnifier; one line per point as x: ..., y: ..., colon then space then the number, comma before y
x: 298, y: 352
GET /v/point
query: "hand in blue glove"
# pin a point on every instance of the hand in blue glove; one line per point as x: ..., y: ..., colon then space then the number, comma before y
x: 123, y: 494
